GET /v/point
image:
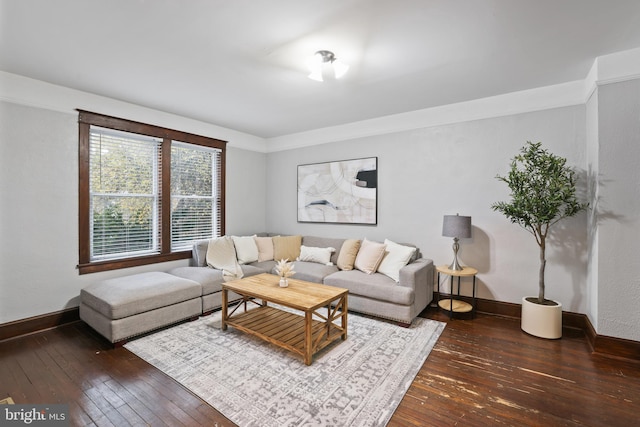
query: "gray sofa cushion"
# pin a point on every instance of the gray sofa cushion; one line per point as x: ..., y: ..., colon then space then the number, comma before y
x: 209, y: 278
x: 212, y: 279
x: 128, y: 295
x: 253, y: 269
x: 264, y: 266
x: 324, y: 242
x: 199, y: 253
x: 312, y: 271
x: 376, y: 286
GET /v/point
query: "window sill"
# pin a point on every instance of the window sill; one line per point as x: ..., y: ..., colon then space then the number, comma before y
x: 95, y: 267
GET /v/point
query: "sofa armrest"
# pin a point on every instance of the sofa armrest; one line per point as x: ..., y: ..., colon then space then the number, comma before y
x: 199, y: 253
x: 419, y: 276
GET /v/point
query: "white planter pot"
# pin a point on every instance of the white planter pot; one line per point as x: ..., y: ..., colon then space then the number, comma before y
x: 544, y: 321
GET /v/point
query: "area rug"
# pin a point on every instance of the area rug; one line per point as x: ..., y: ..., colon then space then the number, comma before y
x: 357, y: 382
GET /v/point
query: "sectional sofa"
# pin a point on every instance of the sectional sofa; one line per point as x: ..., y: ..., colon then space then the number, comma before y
x: 385, y: 279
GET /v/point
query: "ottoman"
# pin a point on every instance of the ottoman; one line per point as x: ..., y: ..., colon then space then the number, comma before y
x: 124, y: 307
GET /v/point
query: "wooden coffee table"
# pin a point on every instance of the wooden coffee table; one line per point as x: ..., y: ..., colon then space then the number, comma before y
x: 302, y: 334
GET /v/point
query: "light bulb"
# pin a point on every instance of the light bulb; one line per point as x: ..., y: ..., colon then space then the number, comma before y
x: 340, y: 68
x: 316, y: 75
x: 324, y: 64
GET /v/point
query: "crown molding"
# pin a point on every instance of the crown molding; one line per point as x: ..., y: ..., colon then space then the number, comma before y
x: 543, y: 98
x: 606, y: 69
x: 614, y: 68
x: 29, y: 92
x: 618, y: 67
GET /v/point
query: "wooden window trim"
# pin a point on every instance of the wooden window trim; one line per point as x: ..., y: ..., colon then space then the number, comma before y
x: 86, y: 119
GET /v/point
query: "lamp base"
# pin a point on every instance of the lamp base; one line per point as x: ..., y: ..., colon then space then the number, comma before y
x: 455, y: 265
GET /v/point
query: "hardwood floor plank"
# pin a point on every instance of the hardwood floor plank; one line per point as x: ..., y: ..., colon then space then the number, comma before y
x: 78, y: 417
x: 138, y: 402
x: 92, y: 411
x: 184, y: 407
x: 61, y: 383
x: 483, y: 371
x: 105, y: 407
x: 489, y: 371
x: 17, y: 386
x: 157, y: 404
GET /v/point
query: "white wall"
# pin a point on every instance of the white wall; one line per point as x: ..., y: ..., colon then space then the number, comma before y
x: 619, y: 210
x: 246, y: 194
x: 39, y: 210
x: 426, y: 173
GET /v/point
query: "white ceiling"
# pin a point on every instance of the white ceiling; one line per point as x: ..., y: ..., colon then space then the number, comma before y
x: 241, y: 63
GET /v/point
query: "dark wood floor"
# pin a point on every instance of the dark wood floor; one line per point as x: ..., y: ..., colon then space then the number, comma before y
x: 483, y: 371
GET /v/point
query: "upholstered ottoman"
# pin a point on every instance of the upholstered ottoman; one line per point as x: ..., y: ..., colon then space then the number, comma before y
x: 124, y: 307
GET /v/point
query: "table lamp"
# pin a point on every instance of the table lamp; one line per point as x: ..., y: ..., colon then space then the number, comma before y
x: 458, y: 227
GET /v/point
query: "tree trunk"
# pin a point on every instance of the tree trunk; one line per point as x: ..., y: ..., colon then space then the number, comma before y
x: 543, y: 263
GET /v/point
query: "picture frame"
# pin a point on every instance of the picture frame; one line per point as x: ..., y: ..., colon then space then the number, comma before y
x: 340, y: 192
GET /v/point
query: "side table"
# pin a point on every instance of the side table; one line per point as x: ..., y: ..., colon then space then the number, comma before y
x: 451, y: 304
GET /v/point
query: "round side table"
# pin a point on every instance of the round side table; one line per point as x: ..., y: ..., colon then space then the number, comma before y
x: 451, y: 304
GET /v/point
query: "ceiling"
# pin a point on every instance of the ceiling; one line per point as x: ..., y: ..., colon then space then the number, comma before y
x: 241, y: 64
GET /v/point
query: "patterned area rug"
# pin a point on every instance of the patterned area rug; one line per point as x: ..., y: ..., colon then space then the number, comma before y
x: 357, y: 382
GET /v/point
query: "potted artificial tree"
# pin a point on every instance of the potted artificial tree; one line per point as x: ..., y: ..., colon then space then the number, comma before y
x: 543, y: 192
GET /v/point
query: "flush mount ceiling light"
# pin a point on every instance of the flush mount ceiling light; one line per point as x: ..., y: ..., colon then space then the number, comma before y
x: 326, y: 65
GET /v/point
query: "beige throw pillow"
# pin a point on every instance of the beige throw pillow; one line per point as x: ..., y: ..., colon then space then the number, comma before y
x: 265, y: 248
x: 348, y: 253
x: 221, y: 255
x: 396, y: 257
x: 286, y: 247
x: 369, y: 256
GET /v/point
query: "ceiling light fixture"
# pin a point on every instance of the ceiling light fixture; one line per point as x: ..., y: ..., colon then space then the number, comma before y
x: 326, y: 65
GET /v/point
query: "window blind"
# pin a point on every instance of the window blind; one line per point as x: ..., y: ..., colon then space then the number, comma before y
x: 124, y: 193
x: 195, y: 194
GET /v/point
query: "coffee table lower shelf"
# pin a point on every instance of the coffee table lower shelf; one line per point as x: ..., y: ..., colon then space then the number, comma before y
x: 286, y: 330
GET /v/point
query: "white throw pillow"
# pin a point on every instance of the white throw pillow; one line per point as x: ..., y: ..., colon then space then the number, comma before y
x: 246, y: 249
x: 319, y: 255
x: 369, y: 256
x: 221, y: 255
x: 396, y: 257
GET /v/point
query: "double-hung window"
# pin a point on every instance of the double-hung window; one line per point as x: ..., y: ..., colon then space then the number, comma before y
x: 195, y: 200
x: 146, y: 193
x: 124, y: 194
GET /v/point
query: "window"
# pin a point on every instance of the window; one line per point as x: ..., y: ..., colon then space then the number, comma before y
x: 127, y: 170
x: 195, y: 207
x: 124, y: 194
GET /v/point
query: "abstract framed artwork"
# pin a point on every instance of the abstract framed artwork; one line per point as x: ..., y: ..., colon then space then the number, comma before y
x: 343, y: 192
